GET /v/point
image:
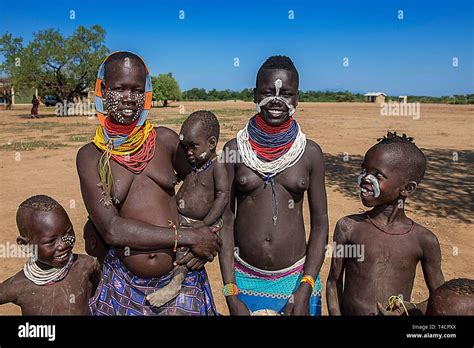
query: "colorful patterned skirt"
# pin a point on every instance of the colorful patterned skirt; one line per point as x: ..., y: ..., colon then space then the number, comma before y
x: 122, y: 293
x: 262, y: 290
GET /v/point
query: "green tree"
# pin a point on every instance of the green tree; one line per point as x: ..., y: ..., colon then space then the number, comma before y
x: 165, y: 87
x: 55, y: 64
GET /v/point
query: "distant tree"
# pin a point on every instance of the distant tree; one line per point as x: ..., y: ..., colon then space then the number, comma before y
x: 195, y: 94
x: 55, y: 64
x: 246, y: 94
x: 165, y: 87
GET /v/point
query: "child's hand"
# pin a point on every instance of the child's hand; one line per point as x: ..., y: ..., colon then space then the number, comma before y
x: 397, y: 310
x: 387, y: 313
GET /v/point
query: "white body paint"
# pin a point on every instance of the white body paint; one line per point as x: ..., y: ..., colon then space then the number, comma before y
x: 278, y: 85
x: 371, y: 180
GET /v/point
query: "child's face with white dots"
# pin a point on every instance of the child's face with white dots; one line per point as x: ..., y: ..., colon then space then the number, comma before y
x: 125, y: 89
x: 54, y: 235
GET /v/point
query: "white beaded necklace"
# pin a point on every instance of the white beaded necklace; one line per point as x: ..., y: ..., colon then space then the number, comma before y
x: 268, y: 170
x: 41, y: 276
x: 250, y: 159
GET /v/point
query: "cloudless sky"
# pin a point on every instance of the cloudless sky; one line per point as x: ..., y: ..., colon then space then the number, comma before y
x: 413, y: 55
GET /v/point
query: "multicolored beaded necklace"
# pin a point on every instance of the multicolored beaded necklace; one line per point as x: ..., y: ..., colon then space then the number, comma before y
x: 269, y: 150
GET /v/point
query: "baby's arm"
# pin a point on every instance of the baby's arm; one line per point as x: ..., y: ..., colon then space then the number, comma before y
x: 334, y: 286
x: 7, y: 292
x: 221, y: 194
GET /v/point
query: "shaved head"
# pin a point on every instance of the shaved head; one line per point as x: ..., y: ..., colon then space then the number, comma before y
x: 30, y: 207
x: 121, y: 62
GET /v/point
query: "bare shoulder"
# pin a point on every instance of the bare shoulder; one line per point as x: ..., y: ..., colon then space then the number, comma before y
x: 13, y: 286
x: 165, y: 133
x: 218, y: 167
x: 167, y: 136
x: 86, y: 152
x: 16, y: 278
x: 348, y: 223
x: 313, y: 152
x: 426, y: 237
x: 313, y: 147
x: 229, y: 156
x: 85, y: 262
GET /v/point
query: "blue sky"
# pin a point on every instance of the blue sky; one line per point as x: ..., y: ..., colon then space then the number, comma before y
x: 411, y: 56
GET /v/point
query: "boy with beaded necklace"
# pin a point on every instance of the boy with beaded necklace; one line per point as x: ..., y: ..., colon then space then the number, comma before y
x: 54, y: 280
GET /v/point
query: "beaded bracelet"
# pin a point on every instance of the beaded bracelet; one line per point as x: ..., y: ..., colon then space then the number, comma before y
x: 308, y: 279
x: 173, y: 226
x: 230, y: 289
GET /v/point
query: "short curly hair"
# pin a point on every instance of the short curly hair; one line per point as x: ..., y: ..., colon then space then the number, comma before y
x: 207, y: 119
x: 278, y: 62
x: 410, y: 157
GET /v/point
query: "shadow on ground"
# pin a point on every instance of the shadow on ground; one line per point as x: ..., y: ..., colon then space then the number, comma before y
x: 446, y: 189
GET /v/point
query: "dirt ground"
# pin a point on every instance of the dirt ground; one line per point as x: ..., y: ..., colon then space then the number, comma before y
x: 38, y: 157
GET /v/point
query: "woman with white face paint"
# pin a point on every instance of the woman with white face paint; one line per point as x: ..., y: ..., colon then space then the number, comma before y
x: 264, y: 233
x: 128, y: 177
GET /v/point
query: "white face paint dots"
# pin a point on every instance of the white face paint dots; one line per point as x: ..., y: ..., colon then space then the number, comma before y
x: 278, y: 85
x: 370, y: 179
x: 113, y: 98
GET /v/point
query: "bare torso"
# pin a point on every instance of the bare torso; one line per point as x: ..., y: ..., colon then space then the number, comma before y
x: 259, y: 241
x: 67, y: 297
x: 196, y: 195
x: 388, y: 266
x: 148, y: 197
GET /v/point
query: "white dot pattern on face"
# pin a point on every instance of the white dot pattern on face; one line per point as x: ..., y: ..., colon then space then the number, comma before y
x: 113, y: 98
x: 69, y: 239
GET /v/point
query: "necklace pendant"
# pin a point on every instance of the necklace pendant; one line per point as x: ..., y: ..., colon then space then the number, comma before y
x: 275, y: 220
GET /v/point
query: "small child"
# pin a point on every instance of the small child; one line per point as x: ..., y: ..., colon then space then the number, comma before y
x: 54, y: 281
x: 455, y: 297
x: 95, y: 245
x: 393, y: 244
x: 203, y: 196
